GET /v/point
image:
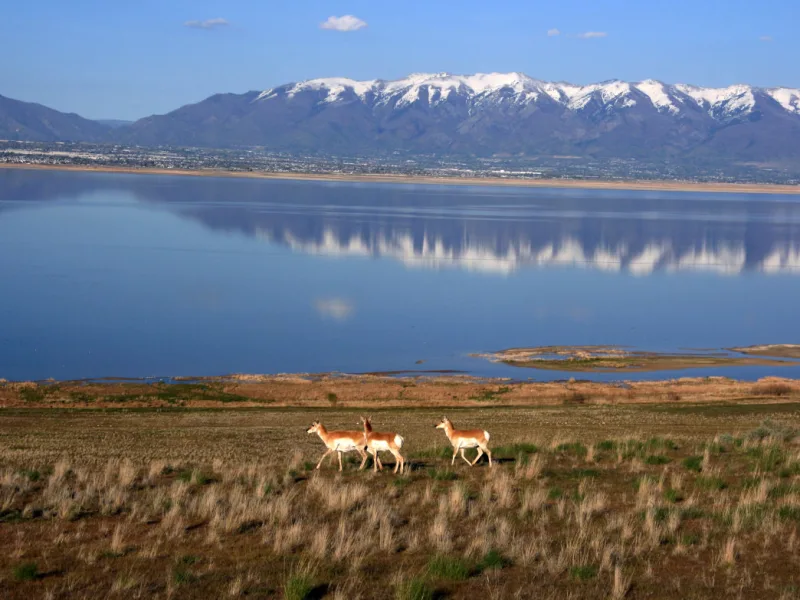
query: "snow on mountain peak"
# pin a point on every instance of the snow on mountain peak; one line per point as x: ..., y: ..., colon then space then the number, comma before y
x: 658, y: 94
x: 436, y: 88
x: 788, y: 98
x: 730, y: 101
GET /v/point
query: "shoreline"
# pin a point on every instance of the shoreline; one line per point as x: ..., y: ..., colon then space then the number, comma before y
x: 335, y: 391
x: 637, y: 185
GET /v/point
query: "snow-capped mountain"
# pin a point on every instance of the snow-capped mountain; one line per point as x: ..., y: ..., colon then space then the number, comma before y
x: 490, y: 114
x: 507, y: 114
x: 482, y: 89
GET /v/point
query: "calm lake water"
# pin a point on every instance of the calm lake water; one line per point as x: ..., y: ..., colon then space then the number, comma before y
x: 138, y: 275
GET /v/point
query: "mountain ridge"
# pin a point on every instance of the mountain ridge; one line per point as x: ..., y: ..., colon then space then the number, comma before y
x: 485, y: 114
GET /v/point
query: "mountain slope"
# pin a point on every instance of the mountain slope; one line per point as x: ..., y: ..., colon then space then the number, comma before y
x: 26, y: 121
x: 489, y: 114
x: 507, y: 114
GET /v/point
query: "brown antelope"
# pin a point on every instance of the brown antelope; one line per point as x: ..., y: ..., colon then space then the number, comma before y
x: 339, y: 442
x: 466, y: 438
x: 379, y: 442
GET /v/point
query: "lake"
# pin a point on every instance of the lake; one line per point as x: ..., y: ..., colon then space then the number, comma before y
x: 155, y: 276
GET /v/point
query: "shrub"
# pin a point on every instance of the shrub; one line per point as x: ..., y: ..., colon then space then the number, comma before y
x: 777, y: 431
x: 657, y: 459
x: 773, y: 389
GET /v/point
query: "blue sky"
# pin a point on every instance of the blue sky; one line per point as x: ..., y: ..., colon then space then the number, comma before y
x: 115, y: 59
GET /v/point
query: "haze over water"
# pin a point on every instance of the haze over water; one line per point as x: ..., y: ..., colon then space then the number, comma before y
x: 139, y: 275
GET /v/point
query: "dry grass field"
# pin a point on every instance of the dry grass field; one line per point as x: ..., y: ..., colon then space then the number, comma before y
x: 663, y: 498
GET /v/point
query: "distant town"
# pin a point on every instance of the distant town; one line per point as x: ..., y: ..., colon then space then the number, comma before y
x: 516, y: 167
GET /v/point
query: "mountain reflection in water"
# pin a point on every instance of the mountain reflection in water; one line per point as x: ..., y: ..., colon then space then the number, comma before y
x: 141, y: 275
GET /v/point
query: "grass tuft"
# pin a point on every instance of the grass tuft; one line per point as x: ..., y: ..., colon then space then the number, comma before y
x: 583, y: 572
x: 413, y: 589
x: 789, y: 513
x: 493, y: 560
x: 693, y: 463
x: 447, y: 567
x: 575, y: 448
x: 442, y: 474
x: 298, y: 584
x: 25, y: 572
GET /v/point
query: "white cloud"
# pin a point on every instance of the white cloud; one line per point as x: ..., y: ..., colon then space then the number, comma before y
x: 765, y: 38
x: 207, y: 24
x: 592, y: 34
x: 343, y: 23
x: 553, y: 32
x: 334, y: 308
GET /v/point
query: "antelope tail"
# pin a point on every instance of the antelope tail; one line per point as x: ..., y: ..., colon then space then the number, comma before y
x: 486, y: 433
x: 398, y: 439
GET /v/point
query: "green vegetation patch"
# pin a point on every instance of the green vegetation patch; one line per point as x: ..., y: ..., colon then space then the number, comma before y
x: 521, y: 449
x: 789, y: 513
x: 575, y: 448
x: 493, y: 560
x: 583, y: 572
x: 415, y: 588
x: 442, y: 474
x: 448, y: 567
x: 693, y: 463
x: 25, y: 572
x: 711, y: 483
x: 298, y: 585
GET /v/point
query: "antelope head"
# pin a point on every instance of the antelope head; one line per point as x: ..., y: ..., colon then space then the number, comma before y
x: 314, y: 427
x: 443, y: 423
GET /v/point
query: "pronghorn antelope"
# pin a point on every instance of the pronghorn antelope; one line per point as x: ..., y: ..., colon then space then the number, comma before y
x: 379, y: 442
x: 467, y: 438
x: 339, y: 442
